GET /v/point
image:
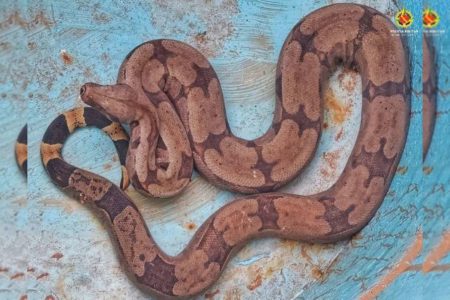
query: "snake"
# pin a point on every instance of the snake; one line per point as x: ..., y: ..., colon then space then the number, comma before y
x: 21, y: 150
x: 169, y: 94
x: 429, y: 85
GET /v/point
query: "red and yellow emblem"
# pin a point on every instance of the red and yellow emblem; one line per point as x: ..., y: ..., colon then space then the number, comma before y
x: 404, y: 18
x: 430, y: 18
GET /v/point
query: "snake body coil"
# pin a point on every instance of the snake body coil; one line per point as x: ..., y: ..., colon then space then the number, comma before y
x: 169, y: 89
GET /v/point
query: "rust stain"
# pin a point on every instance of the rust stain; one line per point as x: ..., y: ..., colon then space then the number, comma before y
x: 107, y: 166
x: 23, y: 297
x: 3, y: 270
x: 210, y: 295
x: 440, y: 251
x: 339, y: 135
x: 337, y: 111
x: 325, y: 173
x: 66, y: 57
x: 233, y: 294
x: 30, y: 269
x: 305, y: 255
x: 17, y: 275
x: 402, y: 170
x: 289, y: 244
x: 201, y: 37
x: 256, y: 282
x: 347, y: 80
x: 15, y: 19
x: 318, y: 274
x: 332, y: 158
x: 258, y: 274
x: 41, y: 19
x: 401, y: 266
x: 427, y: 170
x: 42, y: 275
x: 50, y: 297
x: 190, y: 226
x: 325, y: 125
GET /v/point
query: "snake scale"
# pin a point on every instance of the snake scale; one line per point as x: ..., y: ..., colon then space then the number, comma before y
x: 172, y: 99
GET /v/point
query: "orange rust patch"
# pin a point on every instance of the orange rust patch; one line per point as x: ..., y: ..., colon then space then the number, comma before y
x: 255, y: 282
x: 439, y: 252
x: 50, y: 297
x: 42, y: 275
x: 17, y: 275
x: 402, y: 170
x: 337, y: 111
x: 23, y: 297
x: 66, y: 57
x: 402, y: 265
x: 427, y: 170
x: 210, y: 295
x: 57, y: 255
x: 318, y: 274
x: 190, y: 226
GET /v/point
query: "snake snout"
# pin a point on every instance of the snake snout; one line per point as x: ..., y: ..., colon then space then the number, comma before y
x: 82, y: 90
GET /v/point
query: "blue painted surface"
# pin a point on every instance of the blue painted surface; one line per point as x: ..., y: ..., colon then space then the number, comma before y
x: 242, y: 40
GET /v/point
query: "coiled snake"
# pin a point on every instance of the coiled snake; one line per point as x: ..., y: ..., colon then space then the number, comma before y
x: 167, y: 89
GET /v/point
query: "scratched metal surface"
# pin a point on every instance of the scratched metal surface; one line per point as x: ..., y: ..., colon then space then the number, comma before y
x: 55, y: 247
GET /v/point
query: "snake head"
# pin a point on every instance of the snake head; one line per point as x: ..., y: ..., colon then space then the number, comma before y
x: 116, y: 101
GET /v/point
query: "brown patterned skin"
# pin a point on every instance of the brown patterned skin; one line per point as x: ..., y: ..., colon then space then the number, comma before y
x: 429, y: 79
x: 353, y: 35
x: 21, y: 150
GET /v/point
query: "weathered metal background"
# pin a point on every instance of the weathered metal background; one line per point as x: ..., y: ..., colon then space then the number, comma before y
x: 52, y: 246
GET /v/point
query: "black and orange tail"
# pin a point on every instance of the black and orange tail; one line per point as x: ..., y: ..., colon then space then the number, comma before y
x: 22, y: 150
x: 63, y: 126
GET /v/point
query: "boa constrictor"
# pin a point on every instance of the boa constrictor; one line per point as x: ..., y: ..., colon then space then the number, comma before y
x: 168, y: 87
